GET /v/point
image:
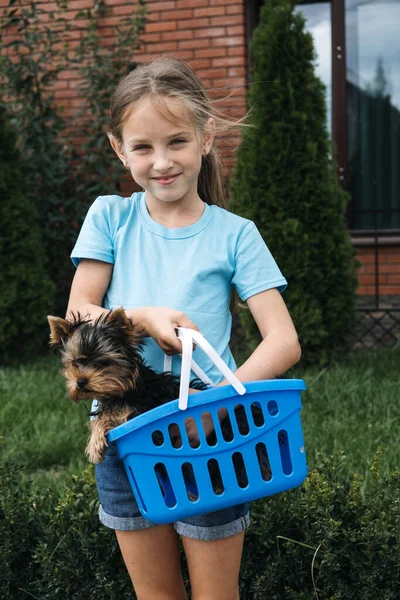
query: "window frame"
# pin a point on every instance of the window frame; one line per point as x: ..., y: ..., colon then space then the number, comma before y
x: 339, y: 101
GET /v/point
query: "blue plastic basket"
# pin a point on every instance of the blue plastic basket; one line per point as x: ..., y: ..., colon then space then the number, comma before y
x: 172, y: 483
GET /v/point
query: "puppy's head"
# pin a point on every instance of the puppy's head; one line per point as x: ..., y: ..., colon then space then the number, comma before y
x: 100, y: 358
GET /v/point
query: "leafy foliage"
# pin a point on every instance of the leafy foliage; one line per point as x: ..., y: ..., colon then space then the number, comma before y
x: 63, y: 175
x: 77, y: 557
x: 20, y: 529
x: 326, y: 540
x: 331, y: 539
x: 26, y: 292
x: 284, y: 180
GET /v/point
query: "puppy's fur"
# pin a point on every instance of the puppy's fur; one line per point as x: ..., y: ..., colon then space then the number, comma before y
x: 102, y: 360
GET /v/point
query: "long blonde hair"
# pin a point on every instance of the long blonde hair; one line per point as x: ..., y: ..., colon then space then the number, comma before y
x: 163, y: 79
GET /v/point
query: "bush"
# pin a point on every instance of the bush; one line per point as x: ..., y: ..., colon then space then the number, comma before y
x: 21, y: 515
x: 55, y: 548
x: 331, y: 539
x: 77, y: 557
x: 70, y: 158
x: 26, y: 293
x: 284, y: 180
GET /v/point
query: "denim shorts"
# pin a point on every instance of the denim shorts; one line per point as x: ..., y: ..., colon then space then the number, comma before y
x: 119, y: 510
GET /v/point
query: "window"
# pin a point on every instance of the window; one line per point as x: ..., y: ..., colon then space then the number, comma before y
x: 358, y: 49
x: 373, y: 111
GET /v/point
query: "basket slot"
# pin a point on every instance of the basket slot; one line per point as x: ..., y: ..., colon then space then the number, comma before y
x: 190, y: 482
x: 272, y: 408
x: 217, y: 433
x: 240, y: 470
x: 157, y: 437
x: 191, y: 426
x: 284, y: 448
x: 175, y: 436
x: 241, y: 419
x: 257, y: 414
x: 165, y: 485
x: 215, y: 476
x: 263, y: 461
x: 234, y: 424
x: 208, y: 422
x: 226, y: 428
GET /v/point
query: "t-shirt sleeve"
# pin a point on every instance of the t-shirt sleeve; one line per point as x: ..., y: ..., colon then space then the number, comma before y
x: 95, y: 240
x: 255, y: 268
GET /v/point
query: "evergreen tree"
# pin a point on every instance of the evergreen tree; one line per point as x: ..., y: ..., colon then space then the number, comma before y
x: 26, y: 293
x: 284, y: 180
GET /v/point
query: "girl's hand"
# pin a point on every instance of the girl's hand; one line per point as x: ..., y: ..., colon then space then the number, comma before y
x: 160, y: 324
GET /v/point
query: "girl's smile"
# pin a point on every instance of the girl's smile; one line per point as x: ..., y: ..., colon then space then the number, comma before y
x: 164, y: 155
x: 166, y: 180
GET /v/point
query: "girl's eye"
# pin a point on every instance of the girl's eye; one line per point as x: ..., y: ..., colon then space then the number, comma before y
x: 141, y: 147
x: 178, y: 141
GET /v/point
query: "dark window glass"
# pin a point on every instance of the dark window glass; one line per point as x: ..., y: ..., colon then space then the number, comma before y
x: 373, y: 108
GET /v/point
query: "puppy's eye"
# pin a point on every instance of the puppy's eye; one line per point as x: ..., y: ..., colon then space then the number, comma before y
x: 77, y: 363
x: 103, y: 363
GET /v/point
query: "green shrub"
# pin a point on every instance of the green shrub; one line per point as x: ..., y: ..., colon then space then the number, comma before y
x: 284, y: 180
x: 55, y: 548
x: 78, y: 558
x: 330, y: 539
x: 26, y: 293
x: 70, y: 159
x: 21, y: 516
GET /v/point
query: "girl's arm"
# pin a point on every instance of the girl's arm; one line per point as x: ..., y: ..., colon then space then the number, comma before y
x: 280, y: 348
x: 278, y: 351
x: 89, y: 286
x: 88, y: 289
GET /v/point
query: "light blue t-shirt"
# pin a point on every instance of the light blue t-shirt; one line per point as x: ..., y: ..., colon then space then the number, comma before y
x: 192, y: 269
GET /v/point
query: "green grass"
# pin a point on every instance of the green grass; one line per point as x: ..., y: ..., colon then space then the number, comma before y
x: 40, y: 426
x: 352, y: 407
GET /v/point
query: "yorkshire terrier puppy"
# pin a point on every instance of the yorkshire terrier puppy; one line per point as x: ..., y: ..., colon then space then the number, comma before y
x: 101, y: 359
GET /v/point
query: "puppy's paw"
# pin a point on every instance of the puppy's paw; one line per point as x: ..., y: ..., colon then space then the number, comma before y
x: 97, y: 446
x: 95, y: 452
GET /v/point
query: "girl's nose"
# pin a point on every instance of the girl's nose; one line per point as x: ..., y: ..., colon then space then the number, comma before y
x: 162, y: 162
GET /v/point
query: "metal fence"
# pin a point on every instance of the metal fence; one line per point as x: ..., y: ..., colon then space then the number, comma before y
x: 378, y: 315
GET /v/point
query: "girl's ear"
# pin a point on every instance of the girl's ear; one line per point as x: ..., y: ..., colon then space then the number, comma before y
x: 116, y: 146
x: 209, y: 134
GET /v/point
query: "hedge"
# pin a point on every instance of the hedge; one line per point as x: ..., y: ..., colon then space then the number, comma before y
x: 330, y: 539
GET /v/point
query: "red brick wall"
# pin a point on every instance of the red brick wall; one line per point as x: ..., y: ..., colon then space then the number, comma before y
x: 210, y: 36
x: 388, y: 271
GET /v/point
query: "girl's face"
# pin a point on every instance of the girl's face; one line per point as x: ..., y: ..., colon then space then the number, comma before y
x: 164, y: 157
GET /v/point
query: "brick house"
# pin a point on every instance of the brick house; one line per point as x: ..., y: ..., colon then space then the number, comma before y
x: 213, y: 36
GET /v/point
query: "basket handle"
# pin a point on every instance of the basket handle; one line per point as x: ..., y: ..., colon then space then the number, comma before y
x: 187, y: 337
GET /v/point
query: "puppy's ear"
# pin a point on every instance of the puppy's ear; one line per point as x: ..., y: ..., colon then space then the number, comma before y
x: 60, y: 330
x: 119, y: 316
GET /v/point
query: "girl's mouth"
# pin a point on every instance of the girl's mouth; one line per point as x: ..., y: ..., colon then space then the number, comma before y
x: 166, y: 180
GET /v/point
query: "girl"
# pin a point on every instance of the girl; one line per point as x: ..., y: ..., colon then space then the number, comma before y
x: 172, y: 256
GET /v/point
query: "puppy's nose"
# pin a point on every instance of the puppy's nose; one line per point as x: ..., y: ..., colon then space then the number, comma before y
x: 82, y: 382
